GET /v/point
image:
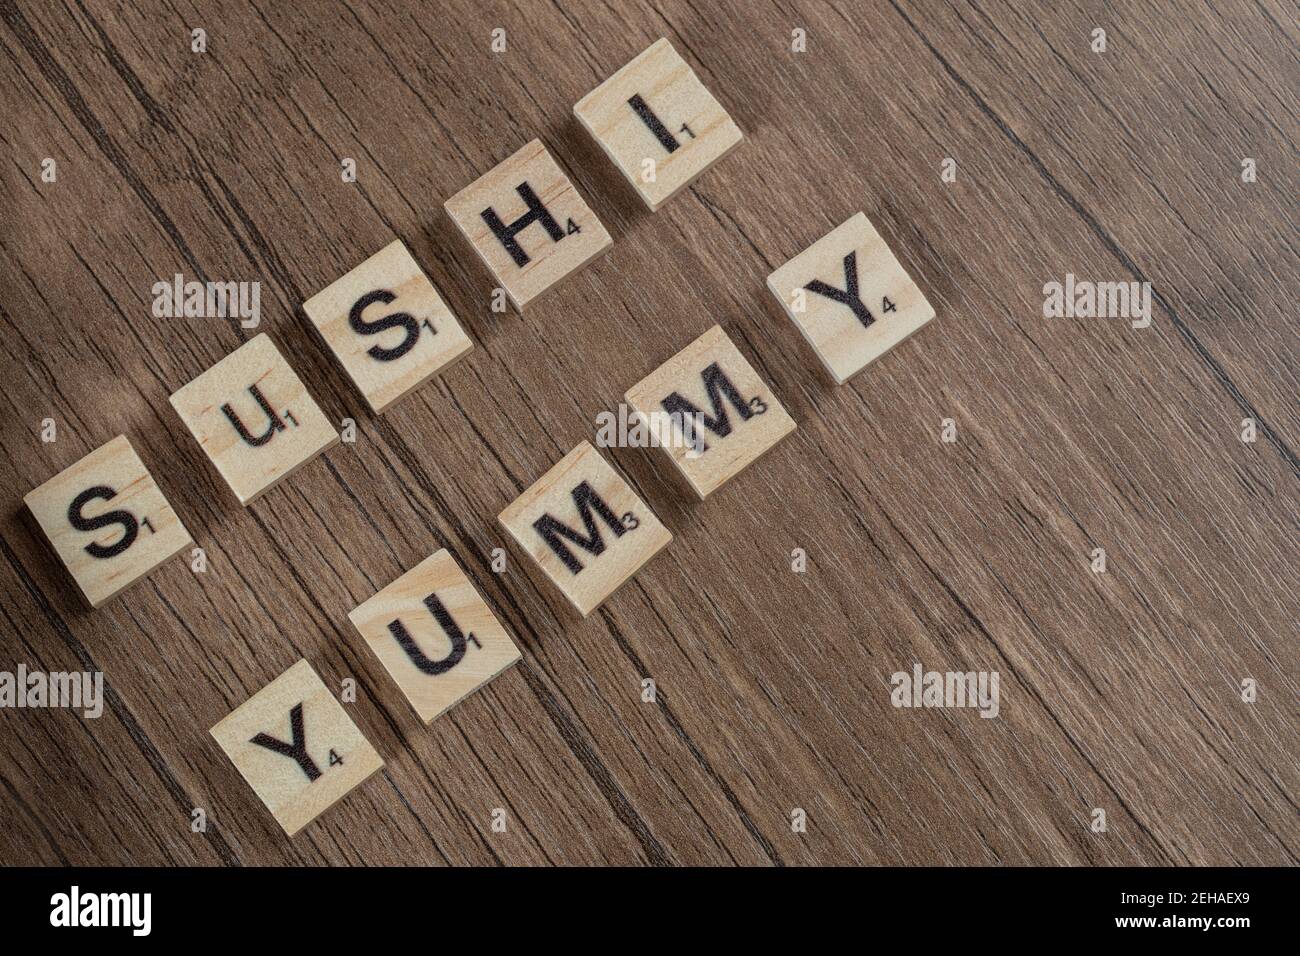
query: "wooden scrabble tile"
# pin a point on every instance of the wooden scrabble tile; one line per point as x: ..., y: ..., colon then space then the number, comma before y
x: 585, y: 527
x: 435, y: 635
x: 388, y: 326
x: 850, y: 297
x: 297, y: 747
x: 254, y: 418
x: 658, y: 123
x: 528, y: 223
x: 710, y: 412
x: 107, y: 520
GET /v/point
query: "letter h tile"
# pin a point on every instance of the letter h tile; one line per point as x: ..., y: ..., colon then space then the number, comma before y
x: 528, y: 223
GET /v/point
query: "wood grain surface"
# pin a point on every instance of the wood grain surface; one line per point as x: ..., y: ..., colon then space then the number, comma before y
x: 1120, y: 691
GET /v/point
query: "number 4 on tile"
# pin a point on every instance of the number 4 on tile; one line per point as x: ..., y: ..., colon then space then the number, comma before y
x: 857, y: 301
x: 296, y: 747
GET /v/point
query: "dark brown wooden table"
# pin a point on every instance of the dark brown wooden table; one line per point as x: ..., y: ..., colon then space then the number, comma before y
x: 1120, y: 691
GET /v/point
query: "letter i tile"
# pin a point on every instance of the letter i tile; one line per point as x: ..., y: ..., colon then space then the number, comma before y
x: 435, y: 635
x: 850, y: 297
x: 253, y: 418
x: 296, y: 747
x: 658, y: 123
x: 585, y: 527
